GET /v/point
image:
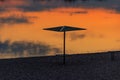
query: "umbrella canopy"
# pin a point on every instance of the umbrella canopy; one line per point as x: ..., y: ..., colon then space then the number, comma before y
x: 64, y: 28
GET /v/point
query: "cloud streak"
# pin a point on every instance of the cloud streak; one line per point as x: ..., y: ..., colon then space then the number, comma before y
x: 41, y: 5
x: 48, y: 5
x: 2, y: 9
x: 14, y: 20
x: 31, y: 48
x: 75, y: 36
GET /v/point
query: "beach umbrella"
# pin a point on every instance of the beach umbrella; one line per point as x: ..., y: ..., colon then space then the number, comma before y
x: 64, y: 29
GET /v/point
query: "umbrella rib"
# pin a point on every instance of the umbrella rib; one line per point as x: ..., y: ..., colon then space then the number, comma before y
x: 61, y: 28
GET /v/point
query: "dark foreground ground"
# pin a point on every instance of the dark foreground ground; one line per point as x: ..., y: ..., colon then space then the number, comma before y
x: 78, y: 67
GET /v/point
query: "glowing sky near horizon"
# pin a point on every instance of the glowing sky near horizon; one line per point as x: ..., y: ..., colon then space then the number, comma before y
x: 23, y: 20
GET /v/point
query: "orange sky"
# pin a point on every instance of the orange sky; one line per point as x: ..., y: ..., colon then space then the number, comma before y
x: 102, y: 26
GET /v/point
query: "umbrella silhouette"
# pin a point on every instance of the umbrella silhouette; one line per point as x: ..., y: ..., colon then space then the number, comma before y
x: 64, y: 29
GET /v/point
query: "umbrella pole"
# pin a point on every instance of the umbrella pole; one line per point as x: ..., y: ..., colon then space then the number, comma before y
x: 64, y: 37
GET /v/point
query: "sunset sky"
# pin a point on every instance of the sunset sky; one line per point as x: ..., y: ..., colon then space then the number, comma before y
x: 24, y: 20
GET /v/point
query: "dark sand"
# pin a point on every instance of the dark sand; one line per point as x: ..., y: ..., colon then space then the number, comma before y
x: 78, y: 67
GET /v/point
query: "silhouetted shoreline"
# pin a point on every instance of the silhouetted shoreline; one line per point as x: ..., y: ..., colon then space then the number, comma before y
x: 78, y: 67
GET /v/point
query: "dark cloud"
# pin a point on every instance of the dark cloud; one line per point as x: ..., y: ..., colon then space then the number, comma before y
x: 52, y: 4
x: 117, y: 9
x: 74, y: 12
x: 117, y: 40
x: 2, y: 9
x: 38, y: 5
x: 56, y: 50
x: 31, y: 48
x: 75, y: 36
x: 78, y: 12
x: 13, y: 20
x: 41, y: 5
x: 70, y: 0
